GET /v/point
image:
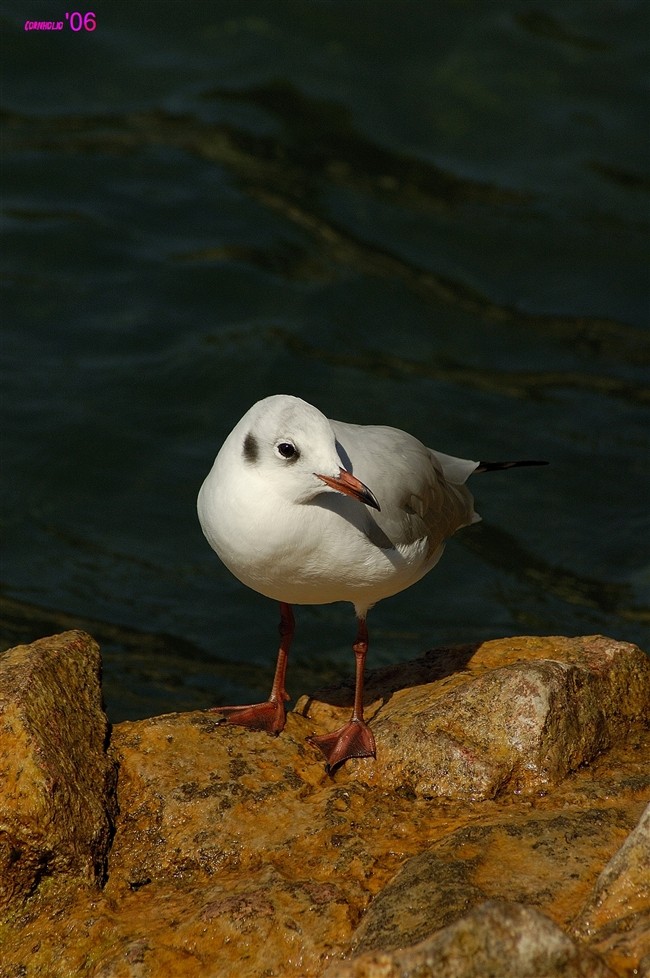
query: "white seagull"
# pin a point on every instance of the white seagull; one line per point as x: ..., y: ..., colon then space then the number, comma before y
x: 306, y: 510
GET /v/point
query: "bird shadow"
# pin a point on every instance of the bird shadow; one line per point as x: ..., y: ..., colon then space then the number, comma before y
x: 383, y: 682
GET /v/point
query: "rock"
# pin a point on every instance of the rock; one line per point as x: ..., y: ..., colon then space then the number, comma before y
x: 56, y: 794
x: 514, y: 857
x: 519, y: 717
x: 500, y: 939
x: 236, y: 855
x: 234, y: 828
x: 616, y: 916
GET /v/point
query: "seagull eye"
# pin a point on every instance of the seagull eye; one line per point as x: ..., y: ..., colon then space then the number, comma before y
x: 287, y: 450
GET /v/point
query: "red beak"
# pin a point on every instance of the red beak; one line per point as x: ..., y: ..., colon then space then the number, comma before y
x: 349, y: 485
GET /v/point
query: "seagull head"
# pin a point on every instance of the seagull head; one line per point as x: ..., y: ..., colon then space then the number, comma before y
x: 291, y: 445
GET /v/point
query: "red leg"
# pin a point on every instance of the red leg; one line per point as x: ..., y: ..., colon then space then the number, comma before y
x: 271, y: 715
x: 353, y: 739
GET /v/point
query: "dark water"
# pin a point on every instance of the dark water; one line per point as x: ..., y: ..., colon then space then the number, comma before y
x: 426, y: 214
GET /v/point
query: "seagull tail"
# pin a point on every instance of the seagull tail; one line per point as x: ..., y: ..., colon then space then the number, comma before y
x: 496, y: 466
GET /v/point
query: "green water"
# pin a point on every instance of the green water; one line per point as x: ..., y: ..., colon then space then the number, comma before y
x: 431, y: 215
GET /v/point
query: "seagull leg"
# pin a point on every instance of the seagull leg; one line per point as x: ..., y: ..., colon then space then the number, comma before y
x: 271, y: 715
x: 353, y: 739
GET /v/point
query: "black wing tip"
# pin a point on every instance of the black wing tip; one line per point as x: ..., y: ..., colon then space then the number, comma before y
x: 497, y: 466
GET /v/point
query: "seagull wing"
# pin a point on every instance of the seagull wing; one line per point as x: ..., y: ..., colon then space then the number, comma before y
x: 421, y: 493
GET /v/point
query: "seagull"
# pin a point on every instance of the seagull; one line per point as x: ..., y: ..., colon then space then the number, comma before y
x: 306, y: 510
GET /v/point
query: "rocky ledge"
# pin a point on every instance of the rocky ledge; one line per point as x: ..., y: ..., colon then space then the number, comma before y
x: 502, y: 830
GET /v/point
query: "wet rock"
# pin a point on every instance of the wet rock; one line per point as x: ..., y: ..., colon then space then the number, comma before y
x: 240, y: 825
x: 512, y: 858
x: 616, y: 917
x: 237, y: 855
x: 518, y: 717
x: 57, y: 782
x: 507, y: 940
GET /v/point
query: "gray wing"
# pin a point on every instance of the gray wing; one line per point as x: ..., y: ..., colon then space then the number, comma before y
x: 421, y: 492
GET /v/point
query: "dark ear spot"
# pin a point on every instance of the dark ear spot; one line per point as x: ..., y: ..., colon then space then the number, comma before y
x: 251, y: 449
